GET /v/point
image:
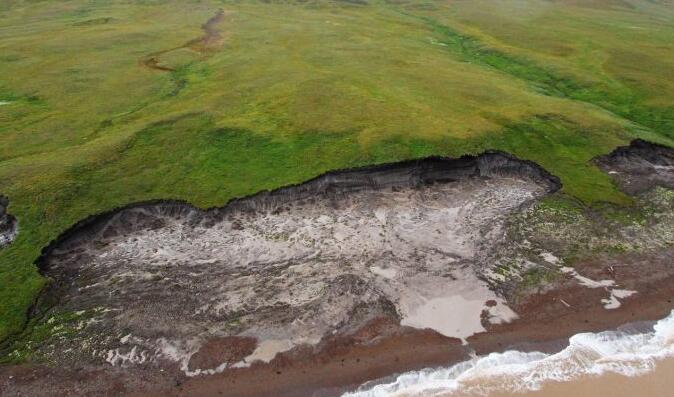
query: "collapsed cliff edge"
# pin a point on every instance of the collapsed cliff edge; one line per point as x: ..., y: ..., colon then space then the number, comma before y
x: 286, y: 269
x: 332, y: 184
x: 8, y: 224
x: 639, y: 166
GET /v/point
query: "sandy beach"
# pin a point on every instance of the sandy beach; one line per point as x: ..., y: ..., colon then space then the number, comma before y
x: 658, y: 383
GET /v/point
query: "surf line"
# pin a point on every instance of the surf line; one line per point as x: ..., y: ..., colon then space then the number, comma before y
x: 593, y: 354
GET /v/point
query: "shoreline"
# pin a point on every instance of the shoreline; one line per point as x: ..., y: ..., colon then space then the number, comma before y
x: 345, y: 363
x: 545, y: 331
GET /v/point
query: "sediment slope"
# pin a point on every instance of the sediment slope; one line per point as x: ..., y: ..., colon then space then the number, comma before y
x: 289, y: 267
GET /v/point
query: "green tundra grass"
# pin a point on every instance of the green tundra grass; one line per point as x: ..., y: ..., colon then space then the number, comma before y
x: 108, y: 102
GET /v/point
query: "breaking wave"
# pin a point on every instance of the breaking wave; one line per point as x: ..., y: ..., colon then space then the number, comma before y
x: 627, y: 353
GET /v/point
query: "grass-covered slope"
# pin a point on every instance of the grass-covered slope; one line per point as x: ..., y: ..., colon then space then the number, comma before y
x: 103, y: 103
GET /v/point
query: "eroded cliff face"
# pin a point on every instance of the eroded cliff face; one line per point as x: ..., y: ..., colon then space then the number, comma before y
x: 565, y: 233
x: 8, y: 224
x: 640, y: 166
x: 157, y: 283
x: 348, y: 266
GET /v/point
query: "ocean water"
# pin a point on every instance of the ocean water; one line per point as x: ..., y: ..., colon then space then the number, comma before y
x: 588, y: 355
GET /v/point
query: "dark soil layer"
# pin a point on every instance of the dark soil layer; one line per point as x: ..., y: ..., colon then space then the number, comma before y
x: 333, y: 184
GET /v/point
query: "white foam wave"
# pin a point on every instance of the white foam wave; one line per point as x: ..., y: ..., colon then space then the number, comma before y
x: 587, y: 354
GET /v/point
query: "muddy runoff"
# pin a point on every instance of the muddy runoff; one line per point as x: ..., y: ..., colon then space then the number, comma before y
x: 167, y: 285
x: 211, y: 40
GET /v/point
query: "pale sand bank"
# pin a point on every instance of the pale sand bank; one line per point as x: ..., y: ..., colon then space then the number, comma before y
x: 657, y: 383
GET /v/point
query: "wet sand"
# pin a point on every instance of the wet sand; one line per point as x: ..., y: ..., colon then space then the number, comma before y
x: 658, y: 383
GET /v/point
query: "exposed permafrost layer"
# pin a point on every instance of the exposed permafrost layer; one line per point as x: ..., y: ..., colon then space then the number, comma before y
x: 640, y: 166
x: 8, y: 224
x: 407, y: 240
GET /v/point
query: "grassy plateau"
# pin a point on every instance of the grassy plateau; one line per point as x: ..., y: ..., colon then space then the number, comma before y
x: 108, y: 102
